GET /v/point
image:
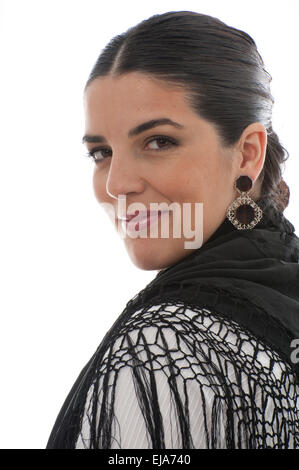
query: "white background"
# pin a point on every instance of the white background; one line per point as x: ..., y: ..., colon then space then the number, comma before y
x: 65, y: 274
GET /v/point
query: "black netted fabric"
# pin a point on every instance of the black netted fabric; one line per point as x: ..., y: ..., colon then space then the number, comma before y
x: 185, y: 378
x: 200, y: 358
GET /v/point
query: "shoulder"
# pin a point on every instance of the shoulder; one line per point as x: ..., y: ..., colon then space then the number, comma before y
x: 173, y: 373
x: 183, y: 334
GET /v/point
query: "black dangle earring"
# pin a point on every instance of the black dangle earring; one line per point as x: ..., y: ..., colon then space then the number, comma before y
x: 243, y: 212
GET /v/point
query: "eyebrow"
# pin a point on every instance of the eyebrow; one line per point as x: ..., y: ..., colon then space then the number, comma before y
x: 136, y: 130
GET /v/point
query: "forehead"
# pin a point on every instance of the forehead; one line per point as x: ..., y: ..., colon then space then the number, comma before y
x: 133, y: 92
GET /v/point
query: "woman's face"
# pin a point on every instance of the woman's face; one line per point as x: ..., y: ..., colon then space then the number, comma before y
x: 183, y: 164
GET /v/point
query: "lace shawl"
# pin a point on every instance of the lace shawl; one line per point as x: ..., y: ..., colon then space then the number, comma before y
x: 201, y: 357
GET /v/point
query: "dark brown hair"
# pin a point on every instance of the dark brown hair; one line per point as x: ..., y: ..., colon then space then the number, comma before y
x: 221, y: 70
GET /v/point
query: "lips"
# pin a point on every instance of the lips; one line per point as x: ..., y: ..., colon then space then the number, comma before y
x: 140, y: 220
x: 139, y: 216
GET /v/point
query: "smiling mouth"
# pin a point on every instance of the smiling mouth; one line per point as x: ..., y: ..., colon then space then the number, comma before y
x: 139, y: 216
x: 143, y: 220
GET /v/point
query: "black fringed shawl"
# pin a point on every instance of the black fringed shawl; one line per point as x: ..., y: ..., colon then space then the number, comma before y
x: 213, y: 334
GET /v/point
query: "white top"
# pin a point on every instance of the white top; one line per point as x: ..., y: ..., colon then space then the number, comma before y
x: 215, y: 367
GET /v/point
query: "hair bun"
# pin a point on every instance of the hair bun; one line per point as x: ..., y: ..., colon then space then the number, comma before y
x: 282, y: 195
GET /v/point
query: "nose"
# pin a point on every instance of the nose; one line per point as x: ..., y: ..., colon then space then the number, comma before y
x: 124, y: 176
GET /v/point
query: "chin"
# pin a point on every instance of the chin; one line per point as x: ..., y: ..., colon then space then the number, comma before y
x: 145, y: 261
x: 145, y: 254
x: 154, y: 256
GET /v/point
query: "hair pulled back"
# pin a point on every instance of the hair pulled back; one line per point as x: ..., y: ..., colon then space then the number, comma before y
x: 221, y: 71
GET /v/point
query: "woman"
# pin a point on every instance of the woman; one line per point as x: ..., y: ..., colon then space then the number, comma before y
x: 178, y: 111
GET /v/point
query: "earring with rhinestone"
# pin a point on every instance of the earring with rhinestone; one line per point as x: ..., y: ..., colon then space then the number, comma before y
x: 243, y: 212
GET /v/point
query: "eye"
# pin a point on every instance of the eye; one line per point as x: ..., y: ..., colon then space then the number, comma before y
x: 98, y: 154
x: 161, y: 140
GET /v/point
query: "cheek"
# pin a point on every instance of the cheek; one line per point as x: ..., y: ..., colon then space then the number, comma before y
x: 203, y: 179
x: 99, y: 185
x: 189, y: 181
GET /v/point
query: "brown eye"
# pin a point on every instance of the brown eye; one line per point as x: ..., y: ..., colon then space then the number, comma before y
x: 99, y: 154
x: 160, y: 143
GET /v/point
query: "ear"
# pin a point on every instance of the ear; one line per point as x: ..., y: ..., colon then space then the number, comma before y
x: 252, y: 151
